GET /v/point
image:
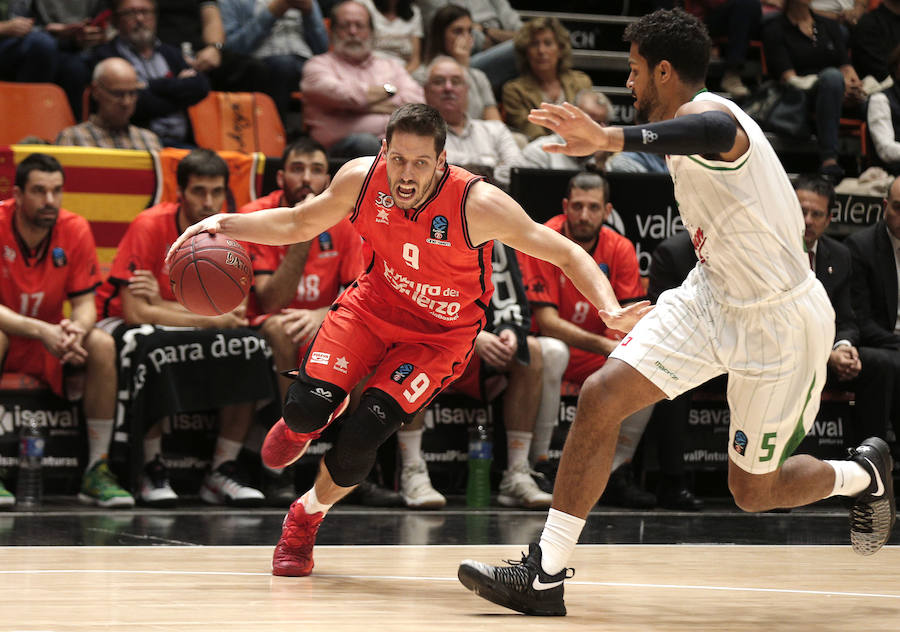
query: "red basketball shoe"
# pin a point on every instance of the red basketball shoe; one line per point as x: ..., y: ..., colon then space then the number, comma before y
x: 294, y: 552
x: 283, y: 446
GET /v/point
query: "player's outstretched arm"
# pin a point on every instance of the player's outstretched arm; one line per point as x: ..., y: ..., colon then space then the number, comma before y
x: 288, y: 225
x: 492, y: 214
x: 699, y: 127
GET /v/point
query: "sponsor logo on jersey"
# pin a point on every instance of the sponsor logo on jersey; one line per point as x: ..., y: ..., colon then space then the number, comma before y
x: 341, y: 364
x: 325, y: 241
x: 59, y: 257
x: 740, y: 442
x: 9, y: 254
x: 402, y: 372
x: 425, y: 295
x: 439, y: 225
x: 604, y: 268
x: 319, y: 357
x: 383, y: 203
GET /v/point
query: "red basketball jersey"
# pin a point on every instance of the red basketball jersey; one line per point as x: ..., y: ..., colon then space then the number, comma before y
x: 423, y: 264
x: 334, y: 261
x: 36, y: 283
x: 546, y: 284
x: 143, y: 247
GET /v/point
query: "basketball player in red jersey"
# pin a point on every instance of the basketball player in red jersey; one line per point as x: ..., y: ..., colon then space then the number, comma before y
x: 412, y: 317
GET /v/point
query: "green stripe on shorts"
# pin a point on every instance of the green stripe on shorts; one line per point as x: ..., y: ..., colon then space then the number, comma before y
x: 799, y: 430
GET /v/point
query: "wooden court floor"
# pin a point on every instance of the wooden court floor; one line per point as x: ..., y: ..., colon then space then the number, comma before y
x: 640, y: 588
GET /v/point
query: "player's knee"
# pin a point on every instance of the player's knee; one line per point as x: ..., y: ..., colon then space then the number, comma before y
x: 748, y: 496
x: 308, y: 404
x: 555, y: 354
x: 100, y: 346
x: 536, y: 356
x: 362, y: 433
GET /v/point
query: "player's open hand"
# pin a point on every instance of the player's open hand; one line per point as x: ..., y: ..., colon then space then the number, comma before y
x: 624, y: 318
x: 211, y: 224
x: 583, y: 135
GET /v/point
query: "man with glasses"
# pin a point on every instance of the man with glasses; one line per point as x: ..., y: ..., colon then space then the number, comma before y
x: 168, y: 84
x: 349, y: 93
x: 115, y: 90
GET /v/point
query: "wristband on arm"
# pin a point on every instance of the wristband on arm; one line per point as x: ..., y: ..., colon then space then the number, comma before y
x: 711, y: 132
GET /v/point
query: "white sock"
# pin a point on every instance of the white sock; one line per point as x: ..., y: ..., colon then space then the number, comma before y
x: 850, y: 478
x: 311, y: 503
x: 558, y: 540
x: 99, y: 432
x: 410, y: 442
x: 630, y: 433
x: 517, y: 445
x: 226, y: 450
x: 152, y: 448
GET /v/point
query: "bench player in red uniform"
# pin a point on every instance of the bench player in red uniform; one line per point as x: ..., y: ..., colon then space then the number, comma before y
x: 49, y: 257
x: 411, y: 319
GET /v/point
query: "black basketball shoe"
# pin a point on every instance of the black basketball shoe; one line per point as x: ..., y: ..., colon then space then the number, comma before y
x: 873, y: 512
x: 521, y: 586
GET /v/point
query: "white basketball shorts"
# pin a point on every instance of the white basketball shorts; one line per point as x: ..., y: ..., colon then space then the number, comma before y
x: 774, y: 352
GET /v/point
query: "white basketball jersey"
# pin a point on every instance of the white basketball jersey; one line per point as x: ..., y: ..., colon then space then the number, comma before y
x: 743, y: 217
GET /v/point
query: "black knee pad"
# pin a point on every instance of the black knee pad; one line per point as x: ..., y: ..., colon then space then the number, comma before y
x: 309, y: 403
x: 362, y: 432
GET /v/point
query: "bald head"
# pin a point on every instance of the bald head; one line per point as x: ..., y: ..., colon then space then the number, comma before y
x: 595, y: 104
x: 115, y: 88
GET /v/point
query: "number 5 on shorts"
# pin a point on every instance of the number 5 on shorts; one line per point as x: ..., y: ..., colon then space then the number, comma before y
x: 416, y: 387
x: 768, y: 444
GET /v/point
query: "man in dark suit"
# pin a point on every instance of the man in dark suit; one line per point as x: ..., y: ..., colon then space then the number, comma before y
x: 855, y: 363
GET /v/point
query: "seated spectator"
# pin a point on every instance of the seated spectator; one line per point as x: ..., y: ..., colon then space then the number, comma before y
x: 876, y: 35
x: 544, y: 56
x: 281, y: 33
x: 50, y: 258
x: 480, y: 146
x: 495, y: 23
x: 874, y: 291
x: 27, y: 54
x: 450, y: 34
x: 169, y: 84
x: 883, y: 118
x: 295, y: 285
x: 73, y: 24
x: 195, y: 28
x: 349, y: 93
x: 398, y: 30
x: 138, y: 294
x: 808, y: 51
x: 847, y: 12
x: 738, y: 22
x: 562, y: 312
x: 868, y: 371
x: 673, y: 259
x: 115, y: 89
x: 503, y: 347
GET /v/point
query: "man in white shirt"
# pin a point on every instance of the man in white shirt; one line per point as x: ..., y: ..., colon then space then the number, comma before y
x: 486, y: 147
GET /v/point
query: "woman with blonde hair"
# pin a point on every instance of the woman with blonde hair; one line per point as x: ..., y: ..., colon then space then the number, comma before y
x: 544, y: 56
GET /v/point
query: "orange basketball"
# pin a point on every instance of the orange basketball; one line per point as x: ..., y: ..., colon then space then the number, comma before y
x: 210, y: 274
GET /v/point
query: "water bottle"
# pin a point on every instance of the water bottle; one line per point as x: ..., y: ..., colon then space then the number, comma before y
x: 478, y: 486
x: 29, y: 488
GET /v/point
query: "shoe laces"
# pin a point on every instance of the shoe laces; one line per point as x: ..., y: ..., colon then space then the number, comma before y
x: 862, y: 517
x: 519, y: 574
x: 300, y: 532
x: 416, y: 481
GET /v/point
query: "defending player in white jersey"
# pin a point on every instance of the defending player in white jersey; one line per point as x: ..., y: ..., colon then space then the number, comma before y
x: 751, y: 308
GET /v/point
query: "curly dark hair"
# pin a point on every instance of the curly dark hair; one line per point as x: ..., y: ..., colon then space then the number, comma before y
x: 676, y: 36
